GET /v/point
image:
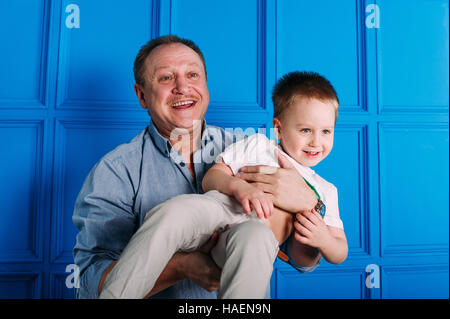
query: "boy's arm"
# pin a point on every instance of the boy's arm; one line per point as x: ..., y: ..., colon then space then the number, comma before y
x: 220, y: 177
x: 311, y: 230
x: 337, y: 249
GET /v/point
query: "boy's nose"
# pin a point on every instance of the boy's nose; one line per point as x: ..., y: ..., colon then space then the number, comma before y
x: 315, y: 140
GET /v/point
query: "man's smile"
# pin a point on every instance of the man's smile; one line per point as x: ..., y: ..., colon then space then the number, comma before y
x: 183, y: 104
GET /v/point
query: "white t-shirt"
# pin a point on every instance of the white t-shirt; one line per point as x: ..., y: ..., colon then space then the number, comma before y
x: 257, y: 149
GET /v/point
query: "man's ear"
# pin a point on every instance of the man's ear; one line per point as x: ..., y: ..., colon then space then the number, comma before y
x: 140, y: 95
x: 276, y: 127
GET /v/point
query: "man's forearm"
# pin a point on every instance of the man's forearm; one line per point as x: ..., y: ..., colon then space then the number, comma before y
x: 169, y: 276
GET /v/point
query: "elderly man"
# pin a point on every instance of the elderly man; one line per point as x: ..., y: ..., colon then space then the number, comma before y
x: 167, y: 159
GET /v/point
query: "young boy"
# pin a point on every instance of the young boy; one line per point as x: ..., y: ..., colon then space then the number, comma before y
x: 305, y: 113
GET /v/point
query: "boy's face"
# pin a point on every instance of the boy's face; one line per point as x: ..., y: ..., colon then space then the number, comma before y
x: 306, y: 130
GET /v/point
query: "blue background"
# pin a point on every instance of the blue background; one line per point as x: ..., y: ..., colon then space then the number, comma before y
x: 66, y: 98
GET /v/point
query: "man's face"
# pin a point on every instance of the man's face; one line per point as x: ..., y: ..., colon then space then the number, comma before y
x: 175, y: 91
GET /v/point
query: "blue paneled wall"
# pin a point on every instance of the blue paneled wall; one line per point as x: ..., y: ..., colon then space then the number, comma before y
x: 66, y: 99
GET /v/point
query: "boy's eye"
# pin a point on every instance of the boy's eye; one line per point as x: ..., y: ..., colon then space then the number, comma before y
x: 193, y: 75
x: 326, y: 131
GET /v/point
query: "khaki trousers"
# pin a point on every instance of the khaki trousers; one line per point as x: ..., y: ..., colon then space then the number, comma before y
x: 245, y: 251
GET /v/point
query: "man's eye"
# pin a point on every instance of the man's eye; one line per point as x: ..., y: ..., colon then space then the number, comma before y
x: 305, y: 130
x: 165, y: 78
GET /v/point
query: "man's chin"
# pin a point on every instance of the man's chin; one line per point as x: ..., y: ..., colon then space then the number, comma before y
x: 188, y: 126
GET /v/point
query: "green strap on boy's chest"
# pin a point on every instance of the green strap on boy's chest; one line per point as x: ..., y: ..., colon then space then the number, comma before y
x: 313, y: 188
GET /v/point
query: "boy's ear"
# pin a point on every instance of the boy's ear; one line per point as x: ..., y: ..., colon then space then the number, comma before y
x: 276, y: 127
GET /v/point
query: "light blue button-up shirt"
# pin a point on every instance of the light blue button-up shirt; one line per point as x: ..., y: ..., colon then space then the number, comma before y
x: 122, y: 187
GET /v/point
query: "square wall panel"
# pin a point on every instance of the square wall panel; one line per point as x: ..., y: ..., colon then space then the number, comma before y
x: 20, y: 190
x: 324, y: 37
x: 338, y: 284
x: 19, y: 285
x: 22, y: 71
x: 414, y: 189
x: 230, y: 46
x: 412, y: 48
x: 415, y: 282
x: 96, y: 60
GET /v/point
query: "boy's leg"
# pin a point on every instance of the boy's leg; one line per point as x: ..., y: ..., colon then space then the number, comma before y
x: 246, y: 252
x: 181, y: 223
x: 281, y: 223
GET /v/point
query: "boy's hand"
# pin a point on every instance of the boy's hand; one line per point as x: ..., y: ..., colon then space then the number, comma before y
x: 311, y: 230
x: 252, y: 197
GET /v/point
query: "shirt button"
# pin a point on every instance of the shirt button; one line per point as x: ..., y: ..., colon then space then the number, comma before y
x: 182, y: 164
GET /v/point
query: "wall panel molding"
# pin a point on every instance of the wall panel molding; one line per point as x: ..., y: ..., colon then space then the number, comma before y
x: 35, y: 201
x: 15, y: 285
x: 38, y: 100
x: 412, y: 59
x: 299, y: 54
x: 414, y: 281
x: 417, y: 146
x: 168, y: 25
x: 322, y: 283
x: 110, y: 94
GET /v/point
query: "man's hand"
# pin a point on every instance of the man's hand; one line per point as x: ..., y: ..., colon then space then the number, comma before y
x: 200, y: 268
x: 286, y: 188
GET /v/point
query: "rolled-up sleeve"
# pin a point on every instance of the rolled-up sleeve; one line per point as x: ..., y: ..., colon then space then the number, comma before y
x: 285, y: 248
x: 104, y: 217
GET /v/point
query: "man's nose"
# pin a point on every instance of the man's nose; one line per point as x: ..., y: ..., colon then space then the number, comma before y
x: 181, y: 86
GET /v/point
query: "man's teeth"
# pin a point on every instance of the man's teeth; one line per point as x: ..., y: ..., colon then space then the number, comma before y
x: 182, y: 103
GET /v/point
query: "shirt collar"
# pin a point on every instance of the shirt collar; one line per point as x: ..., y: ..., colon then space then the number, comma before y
x: 163, y: 144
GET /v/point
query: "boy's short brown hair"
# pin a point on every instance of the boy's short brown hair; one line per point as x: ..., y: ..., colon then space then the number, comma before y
x: 302, y: 85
